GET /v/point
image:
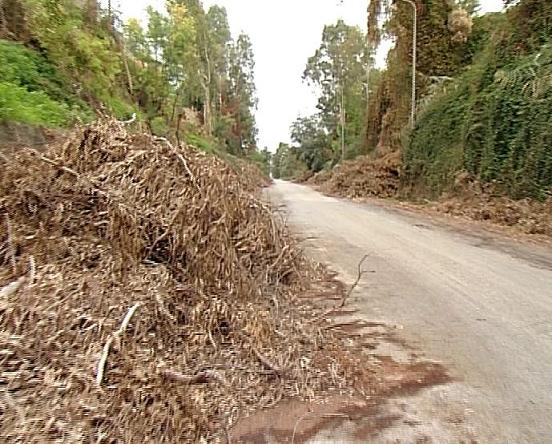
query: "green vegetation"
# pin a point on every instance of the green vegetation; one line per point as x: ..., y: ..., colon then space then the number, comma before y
x: 338, y: 70
x: 493, y: 120
x: 32, y: 92
x: 287, y: 163
x: 484, y: 96
x: 183, y: 74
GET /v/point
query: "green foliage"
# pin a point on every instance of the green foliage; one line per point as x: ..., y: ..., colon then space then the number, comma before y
x: 79, y: 57
x: 187, y: 60
x: 207, y: 144
x: 33, y: 107
x: 28, y: 69
x: 440, y: 54
x: 531, y: 22
x: 262, y: 159
x: 492, y: 122
x: 314, y: 145
x: 77, y: 51
x: 286, y: 163
x: 338, y: 69
x: 32, y: 90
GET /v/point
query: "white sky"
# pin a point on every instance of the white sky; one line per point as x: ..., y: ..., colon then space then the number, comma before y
x: 284, y: 34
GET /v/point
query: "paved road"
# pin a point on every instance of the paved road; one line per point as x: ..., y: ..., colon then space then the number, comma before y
x: 478, y: 303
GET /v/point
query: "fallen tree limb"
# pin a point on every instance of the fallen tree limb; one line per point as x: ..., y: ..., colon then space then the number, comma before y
x: 181, y: 158
x: 105, y: 353
x: 266, y: 362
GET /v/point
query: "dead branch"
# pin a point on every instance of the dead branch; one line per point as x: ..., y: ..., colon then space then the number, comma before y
x: 359, y: 277
x: 107, y: 346
x: 54, y: 163
x: 132, y: 119
x: 11, y: 247
x: 200, y: 378
x: 323, y: 315
x: 181, y: 158
x: 12, y: 288
x: 319, y: 415
x: 266, y: 362
x: 32, y: 270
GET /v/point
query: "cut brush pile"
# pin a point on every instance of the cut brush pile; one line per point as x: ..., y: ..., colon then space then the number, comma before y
x: 364, y: 176
x: 147, y: 295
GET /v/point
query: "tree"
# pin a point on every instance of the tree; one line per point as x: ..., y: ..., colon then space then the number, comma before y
x: 339, y: 68
x: 286, y: 163
x: 242, y: 94
x: 470, y: 6
x: 217, y: 22
x: 312, y: 143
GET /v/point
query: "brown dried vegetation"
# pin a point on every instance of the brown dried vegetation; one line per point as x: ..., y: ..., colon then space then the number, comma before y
x: 362, y: 177
x: 482, y: 202
x: 153, y: 296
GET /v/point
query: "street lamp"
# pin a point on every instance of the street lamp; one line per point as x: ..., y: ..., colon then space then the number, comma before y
x: 414, y: 59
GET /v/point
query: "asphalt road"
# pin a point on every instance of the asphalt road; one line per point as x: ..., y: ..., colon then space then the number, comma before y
x: 478, y: 302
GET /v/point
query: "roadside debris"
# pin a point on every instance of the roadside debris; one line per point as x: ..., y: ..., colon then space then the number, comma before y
x: 157, y: 297
x: 363, y: 177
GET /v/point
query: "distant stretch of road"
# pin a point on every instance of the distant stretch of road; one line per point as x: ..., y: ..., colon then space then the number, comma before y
x: 479, y: 303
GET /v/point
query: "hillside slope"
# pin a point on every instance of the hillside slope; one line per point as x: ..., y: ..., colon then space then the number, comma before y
x: 493, y: 120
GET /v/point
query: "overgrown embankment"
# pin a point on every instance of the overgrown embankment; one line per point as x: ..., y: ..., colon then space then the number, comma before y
x: 33, y: 92
x: 182, y: 74
x: 491, y: 122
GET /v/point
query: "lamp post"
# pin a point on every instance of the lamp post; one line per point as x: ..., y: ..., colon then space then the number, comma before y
x: 414, y: 60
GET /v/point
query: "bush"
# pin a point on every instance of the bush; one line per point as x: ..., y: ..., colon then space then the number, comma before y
x: 31, y: 90
x: 32, y: 107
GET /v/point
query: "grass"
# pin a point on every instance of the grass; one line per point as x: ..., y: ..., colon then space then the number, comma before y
x: 33, y: 92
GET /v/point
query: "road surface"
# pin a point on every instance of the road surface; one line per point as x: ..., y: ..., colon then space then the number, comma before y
x: 480, y: 304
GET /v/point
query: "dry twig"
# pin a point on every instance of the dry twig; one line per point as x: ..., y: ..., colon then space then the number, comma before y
x: 319, y: 415
x: 266, y: 362
x: 12, y: 288
x: 117, y: 334
x: 182, y: 160
x: 11, y: 246
x: 199, y: 378
x: 359, y: 277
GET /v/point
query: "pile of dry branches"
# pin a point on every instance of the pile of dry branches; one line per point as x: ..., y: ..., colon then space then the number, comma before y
x: 362, y: 177
x: 485, y: 202
x: 147, y: 295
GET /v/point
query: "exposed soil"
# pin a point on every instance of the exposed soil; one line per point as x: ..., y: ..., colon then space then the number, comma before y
x: 298, y: 421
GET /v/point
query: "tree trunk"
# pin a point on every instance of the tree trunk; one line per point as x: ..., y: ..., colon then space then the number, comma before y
x: 127, y: 69
x: 207, y: 109
x: 175, y: 101
x: 3, y: 24
x: 207, y: 90
x: 342, y: 120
